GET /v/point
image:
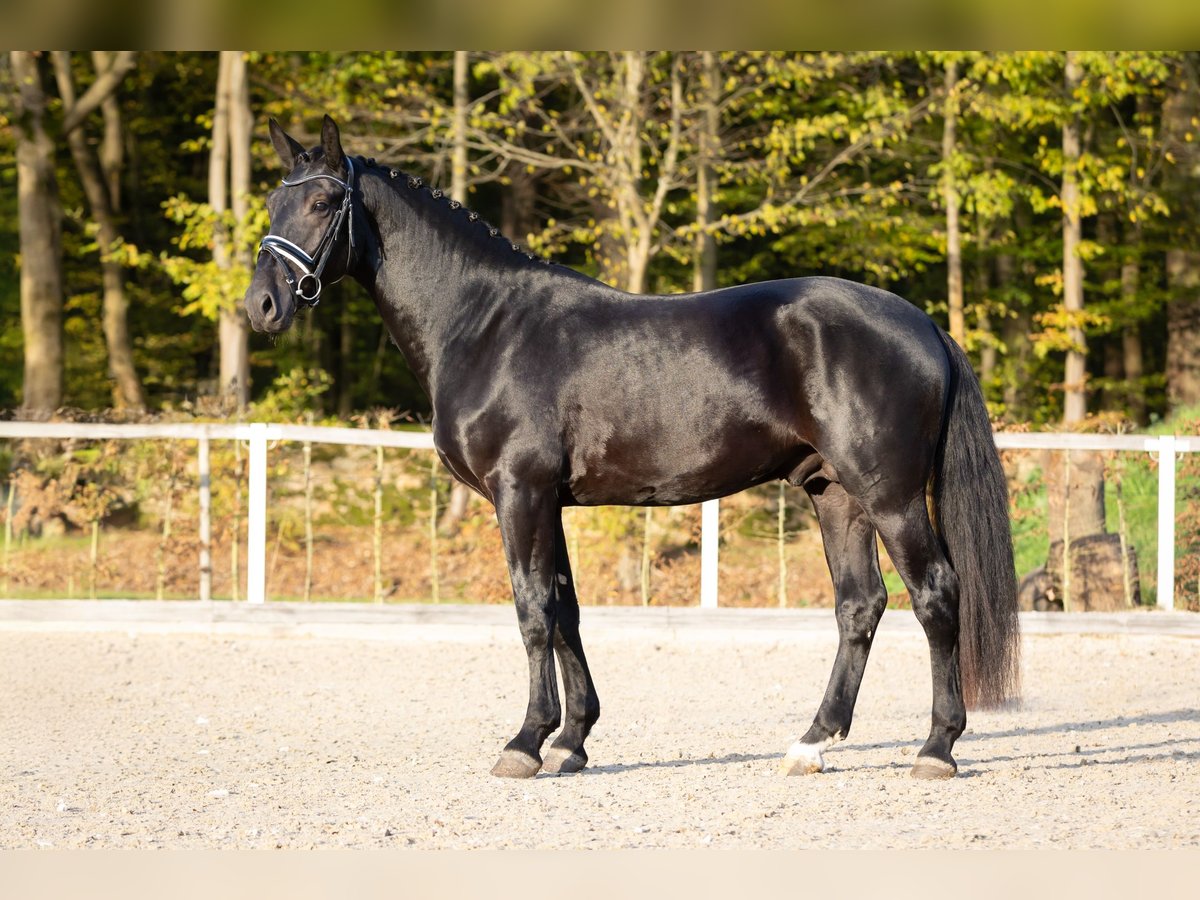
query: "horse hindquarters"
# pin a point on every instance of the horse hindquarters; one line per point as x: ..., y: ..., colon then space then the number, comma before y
x: 894, y: 371
x: 962, y: 582
x: 963, y: 585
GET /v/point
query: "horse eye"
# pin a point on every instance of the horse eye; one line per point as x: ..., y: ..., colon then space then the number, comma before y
x: 320, y: 206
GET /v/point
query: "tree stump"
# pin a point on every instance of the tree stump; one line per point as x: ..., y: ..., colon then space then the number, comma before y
x: 1097, y: 577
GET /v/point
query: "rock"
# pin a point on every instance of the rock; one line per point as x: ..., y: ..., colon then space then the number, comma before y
x: 1038, y: 592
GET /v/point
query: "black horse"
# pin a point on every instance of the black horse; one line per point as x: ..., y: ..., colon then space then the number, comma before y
x: 550, y: 389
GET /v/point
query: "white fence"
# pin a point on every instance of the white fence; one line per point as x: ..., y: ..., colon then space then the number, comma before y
x: 258, y: 435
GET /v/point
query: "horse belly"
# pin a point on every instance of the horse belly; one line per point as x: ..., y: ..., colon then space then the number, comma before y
x: 678, y: 466
x: 657, y: 421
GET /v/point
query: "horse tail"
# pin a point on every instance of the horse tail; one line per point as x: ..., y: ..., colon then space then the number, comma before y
x: 971, y: 500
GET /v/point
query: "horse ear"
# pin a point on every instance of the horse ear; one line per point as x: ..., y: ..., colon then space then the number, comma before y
x: 285, y: 145
x: 331, y: 141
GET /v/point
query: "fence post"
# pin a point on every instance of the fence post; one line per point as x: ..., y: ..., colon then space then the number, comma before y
x: 710, y: 534
x: 205, y: 519
x: 1166, y: 522
x: 256, y: 526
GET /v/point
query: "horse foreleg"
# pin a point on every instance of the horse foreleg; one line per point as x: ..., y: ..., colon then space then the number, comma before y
x: 566, y: 754
x: 529, y: 519
x: 861, y: 598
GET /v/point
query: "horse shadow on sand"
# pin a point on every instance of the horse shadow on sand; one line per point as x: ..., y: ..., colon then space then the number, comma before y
x: 1072, y: 755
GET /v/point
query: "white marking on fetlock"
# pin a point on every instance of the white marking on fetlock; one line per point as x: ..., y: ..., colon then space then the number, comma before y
x: 807, y: 759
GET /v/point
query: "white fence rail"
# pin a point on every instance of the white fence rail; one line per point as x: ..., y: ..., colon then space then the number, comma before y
x: 258, y: 436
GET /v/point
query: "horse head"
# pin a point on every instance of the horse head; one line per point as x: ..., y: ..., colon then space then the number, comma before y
x: 312, y: 238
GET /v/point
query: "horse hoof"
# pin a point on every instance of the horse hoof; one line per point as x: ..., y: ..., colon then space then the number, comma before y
x: 803, y: 759
x: 561, y: 761
x: 515, y: 764
x: 933, y: 769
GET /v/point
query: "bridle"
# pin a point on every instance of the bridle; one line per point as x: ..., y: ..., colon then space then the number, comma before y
x: 291, y: 257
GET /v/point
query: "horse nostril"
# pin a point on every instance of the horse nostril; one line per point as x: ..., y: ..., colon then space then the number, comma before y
x: 267, y: 305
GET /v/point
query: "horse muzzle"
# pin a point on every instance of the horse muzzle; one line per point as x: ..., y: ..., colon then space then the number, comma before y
x: 269, y: 311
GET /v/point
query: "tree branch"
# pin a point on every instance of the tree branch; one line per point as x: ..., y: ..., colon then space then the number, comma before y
x: 602, y: 121
x: 666, y: 174
x: 106, y: 82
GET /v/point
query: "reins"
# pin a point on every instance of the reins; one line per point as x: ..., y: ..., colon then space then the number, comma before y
x: 288, y: 254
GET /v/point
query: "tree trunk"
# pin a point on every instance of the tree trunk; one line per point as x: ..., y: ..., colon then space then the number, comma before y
x: 618, y: 104
x: 628, y: 153
x: 112, y: 147
x: 127, y: 386
x: 241, y: 122
x: 639, y: 263
x: 40, y: 241
x: 1075, y: 512
x: 1107, y: 271
x: 1014, y: 332
x: 1112, y: 398
x: 1180, y: 113
x: 1131, y: 347
x: 631, y: 154
x: 460, y: 494
x: 235, y: 330
x: 1131, y: 340
x: 518, y: 214
x: 458, y: 133
x: 1075, y: 376
x: 1087, y: 492
x: 954, y: 275
x: 1183, y: 329
x: 610, y: 255
x: 346, y: 366
x: 983, y: 318
x: 1075, y: 500
x: 704, y: 276
x: 231, y: 150
x: 218, y: 199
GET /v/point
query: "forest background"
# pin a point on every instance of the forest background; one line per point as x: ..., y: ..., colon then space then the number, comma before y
x: 1041, y: 206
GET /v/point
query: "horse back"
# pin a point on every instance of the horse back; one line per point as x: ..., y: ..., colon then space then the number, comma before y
x: 681, y: 399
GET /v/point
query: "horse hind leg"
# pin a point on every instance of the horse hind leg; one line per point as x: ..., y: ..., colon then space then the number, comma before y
x: 933, y: 585
x: 850, y: 551
x: 582, y: 705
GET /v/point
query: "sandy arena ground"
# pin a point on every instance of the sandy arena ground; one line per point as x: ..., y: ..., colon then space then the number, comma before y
x: 136, y: 739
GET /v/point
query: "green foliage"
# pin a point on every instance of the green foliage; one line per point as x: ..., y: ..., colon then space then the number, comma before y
x: 292, y: 395
x: 208, y: 287
x: 825, y: 163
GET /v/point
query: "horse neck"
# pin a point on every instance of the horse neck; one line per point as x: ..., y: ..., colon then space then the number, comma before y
x: 439, y: 278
